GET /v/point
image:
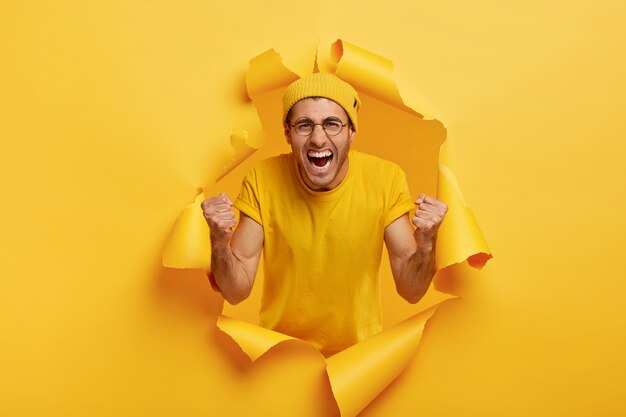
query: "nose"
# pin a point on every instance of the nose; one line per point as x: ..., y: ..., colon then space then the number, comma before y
x: 318, y: 136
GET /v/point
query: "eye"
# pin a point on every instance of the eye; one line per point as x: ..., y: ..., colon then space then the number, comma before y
x: 304, y: 124
x: 332, y: 124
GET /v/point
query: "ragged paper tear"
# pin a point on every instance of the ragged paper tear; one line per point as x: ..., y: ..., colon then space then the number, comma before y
x: 388, y: 129
x: 357, y: 374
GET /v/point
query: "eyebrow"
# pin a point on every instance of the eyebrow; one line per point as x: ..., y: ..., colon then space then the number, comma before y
x: 303, y: 118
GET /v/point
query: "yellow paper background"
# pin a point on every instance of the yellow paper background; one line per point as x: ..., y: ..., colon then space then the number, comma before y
x: 112, y: 114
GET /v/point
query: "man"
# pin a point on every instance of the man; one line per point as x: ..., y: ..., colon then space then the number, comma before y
x: 320, y: 215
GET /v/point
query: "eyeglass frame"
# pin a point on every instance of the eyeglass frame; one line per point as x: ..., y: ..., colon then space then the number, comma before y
x: 320, y: 124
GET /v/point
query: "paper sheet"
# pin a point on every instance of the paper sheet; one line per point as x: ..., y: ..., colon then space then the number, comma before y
x: 388, y: 129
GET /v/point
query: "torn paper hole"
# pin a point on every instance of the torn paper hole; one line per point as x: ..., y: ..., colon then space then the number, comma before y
x: 388, y: 129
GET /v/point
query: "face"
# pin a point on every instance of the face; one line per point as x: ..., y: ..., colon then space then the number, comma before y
x: 322, y: 159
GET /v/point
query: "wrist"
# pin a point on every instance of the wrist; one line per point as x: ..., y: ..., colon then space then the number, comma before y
x: 219, y: 244
x: 425, y: 246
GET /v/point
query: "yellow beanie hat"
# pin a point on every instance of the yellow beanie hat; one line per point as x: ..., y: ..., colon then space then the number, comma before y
x: 322, y: 84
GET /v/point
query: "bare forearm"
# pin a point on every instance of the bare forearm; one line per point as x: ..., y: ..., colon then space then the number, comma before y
x: 417, y: 274
x: 229, y: 274
x: 235, y: 252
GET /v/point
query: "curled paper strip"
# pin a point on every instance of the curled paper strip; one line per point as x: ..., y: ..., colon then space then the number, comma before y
x: 459, y: 237
x: 387, y: 128
x: 253, y: 340
x: 189, y: 245
x: 369, y: 73
x: 361, y: 372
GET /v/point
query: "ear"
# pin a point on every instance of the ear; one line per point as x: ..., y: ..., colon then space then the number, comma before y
x: 351, y: 134
x: 287, y: 132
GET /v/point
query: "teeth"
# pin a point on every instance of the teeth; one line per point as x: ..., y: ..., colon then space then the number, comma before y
x: 321, y: 154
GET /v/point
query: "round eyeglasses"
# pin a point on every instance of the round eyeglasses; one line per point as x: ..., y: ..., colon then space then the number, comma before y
x: 332, y: 126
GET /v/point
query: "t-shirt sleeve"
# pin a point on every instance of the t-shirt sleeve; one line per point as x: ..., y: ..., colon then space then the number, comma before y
x: 400, y: 198
x: 248, y: 199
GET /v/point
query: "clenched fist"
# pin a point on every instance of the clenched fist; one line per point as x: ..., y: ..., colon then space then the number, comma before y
x: 220, y: 217
x: 428, y: 218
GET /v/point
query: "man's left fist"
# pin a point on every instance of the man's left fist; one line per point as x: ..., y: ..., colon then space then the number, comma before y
x: 428, y: 218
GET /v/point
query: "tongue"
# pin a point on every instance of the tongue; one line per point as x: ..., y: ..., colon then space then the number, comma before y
x: 320, y: 162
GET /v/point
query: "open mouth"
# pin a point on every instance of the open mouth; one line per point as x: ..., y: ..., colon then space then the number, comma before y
x: 320, y: 159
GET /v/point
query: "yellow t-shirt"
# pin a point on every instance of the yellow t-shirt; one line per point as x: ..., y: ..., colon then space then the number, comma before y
x: 322, y: 250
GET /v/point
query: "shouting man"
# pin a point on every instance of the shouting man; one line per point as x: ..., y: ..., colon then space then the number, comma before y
x: 320, y: 215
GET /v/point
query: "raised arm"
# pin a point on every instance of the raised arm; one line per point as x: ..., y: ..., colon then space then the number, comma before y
x: 412, y: 251
x: 234, y: 254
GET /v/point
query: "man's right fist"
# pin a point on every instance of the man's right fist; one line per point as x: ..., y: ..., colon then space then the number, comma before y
x: 219, y: 215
